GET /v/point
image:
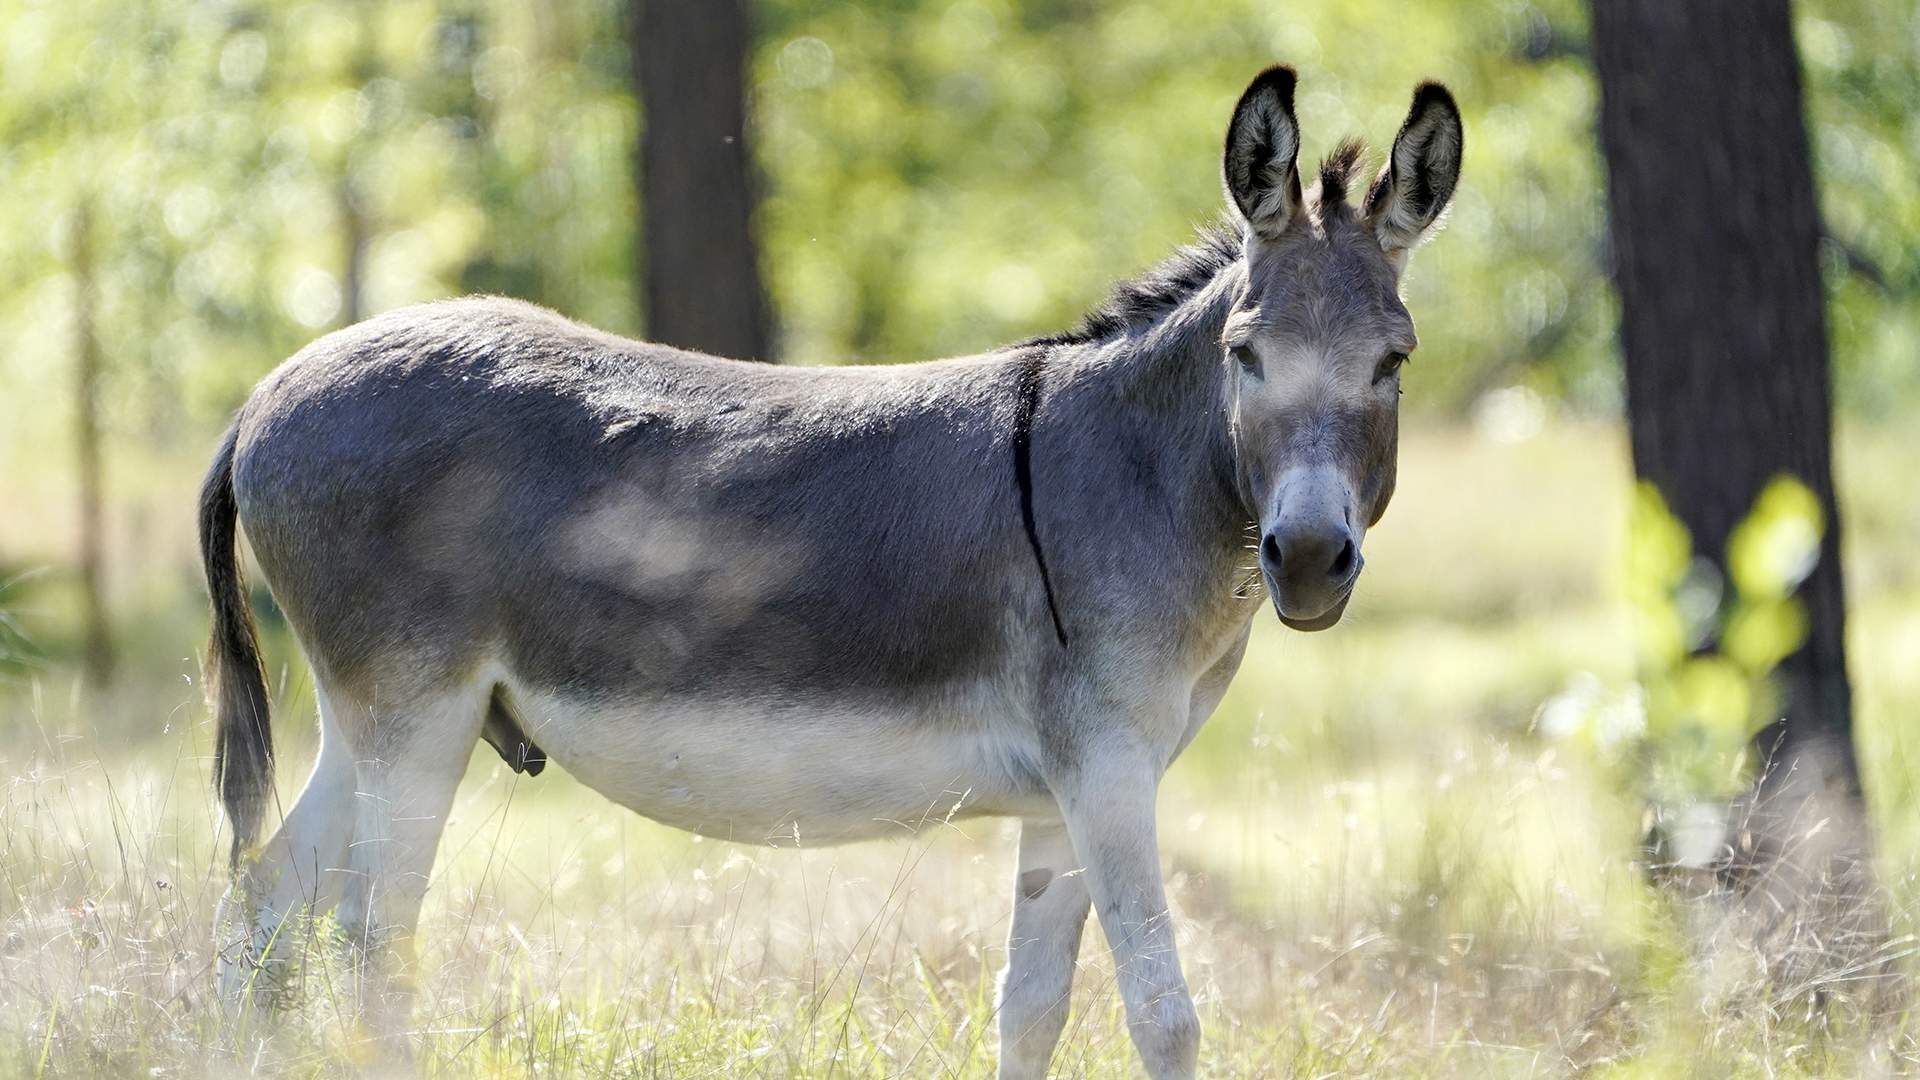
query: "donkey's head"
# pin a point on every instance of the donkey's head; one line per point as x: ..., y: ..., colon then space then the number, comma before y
x: 1316, y: 341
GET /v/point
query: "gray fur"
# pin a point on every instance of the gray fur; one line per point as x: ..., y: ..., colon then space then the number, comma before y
x: 628, y: 519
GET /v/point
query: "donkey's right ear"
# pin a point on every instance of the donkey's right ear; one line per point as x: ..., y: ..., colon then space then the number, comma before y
x: 1263, y: 142
x: 1407, y: 200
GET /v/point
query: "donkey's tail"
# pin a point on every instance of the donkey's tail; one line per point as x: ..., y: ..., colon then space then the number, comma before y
x: 243, y: 743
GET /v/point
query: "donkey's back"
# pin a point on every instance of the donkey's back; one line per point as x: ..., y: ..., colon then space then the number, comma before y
x: 483, y: 478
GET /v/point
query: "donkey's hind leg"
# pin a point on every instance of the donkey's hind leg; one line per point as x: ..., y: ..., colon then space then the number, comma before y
x: 298, y: 872
x: 407, y: 774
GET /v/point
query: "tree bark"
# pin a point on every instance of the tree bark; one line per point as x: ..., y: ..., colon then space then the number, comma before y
x: 1715, y: 228
x: 699, y: 271
x: 97, y: 638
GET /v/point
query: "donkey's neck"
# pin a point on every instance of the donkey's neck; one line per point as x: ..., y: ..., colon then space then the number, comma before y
x: 1138, y: 421
x: 1175, y: 366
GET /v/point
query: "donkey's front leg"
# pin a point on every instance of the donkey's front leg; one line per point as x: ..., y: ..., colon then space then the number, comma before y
x: 1049, y: 910
x: 1108, y: 802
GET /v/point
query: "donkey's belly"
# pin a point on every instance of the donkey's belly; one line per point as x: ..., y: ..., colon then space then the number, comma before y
x: 786, y: 775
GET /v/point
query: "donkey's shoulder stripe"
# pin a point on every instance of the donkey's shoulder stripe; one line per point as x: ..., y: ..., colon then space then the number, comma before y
x: 1029, y: 402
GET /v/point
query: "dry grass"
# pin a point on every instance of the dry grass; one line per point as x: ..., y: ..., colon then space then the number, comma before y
x: 1379, y: 869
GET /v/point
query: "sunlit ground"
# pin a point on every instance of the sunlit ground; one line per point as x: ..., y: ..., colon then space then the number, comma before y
x: 1379, y: 866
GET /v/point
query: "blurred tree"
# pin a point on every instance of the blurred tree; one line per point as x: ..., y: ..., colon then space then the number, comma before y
x: 1715, y: 235
x: 700, y: 271
x: 350, y: 202
x: 97, y: 652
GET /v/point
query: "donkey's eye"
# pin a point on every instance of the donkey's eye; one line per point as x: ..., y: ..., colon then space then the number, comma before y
x: 1245, y: 358
x: 1389, y: 367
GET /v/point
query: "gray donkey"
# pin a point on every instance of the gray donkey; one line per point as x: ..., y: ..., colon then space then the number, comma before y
x: 802, y: 606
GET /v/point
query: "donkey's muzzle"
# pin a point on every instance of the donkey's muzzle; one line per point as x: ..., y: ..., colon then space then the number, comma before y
x: 1310, y: 564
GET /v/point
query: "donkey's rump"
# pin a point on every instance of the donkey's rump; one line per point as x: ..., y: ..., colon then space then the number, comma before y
x: 485, y: 480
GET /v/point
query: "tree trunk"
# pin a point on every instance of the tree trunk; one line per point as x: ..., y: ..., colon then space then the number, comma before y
x: 346, y: 191
x: 699, y: 272
x: 97, y: 647
x: 353, y: 248
x: 1714, y: 229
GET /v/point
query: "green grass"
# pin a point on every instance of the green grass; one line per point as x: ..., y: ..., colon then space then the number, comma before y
x: 1380, y: 868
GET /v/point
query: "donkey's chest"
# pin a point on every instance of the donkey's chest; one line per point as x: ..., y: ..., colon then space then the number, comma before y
x: 788, y: 774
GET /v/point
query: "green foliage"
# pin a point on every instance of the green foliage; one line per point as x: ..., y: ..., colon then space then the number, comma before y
x: 17, y: 653
x: 1859, y: 63
x: 234, y: 152
x: 1707, y: 653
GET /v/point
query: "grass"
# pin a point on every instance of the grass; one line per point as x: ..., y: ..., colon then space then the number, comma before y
x: 1379, y: 866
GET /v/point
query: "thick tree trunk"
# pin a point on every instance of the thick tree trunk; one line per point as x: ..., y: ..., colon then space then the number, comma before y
x: 97, y: 647
x: 699, y: 271
x: 1714, y: 228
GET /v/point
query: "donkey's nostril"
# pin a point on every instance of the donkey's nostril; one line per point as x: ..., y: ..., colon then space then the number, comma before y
x: 1343, y: 562
x: 1270, y: 551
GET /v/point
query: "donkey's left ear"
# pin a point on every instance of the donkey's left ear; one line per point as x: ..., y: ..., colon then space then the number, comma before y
x: 1407, y: 200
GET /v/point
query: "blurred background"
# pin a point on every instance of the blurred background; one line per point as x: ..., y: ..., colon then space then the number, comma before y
x: 1433, y: 817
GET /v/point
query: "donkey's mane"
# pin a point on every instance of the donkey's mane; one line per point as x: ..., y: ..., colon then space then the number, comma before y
x: 1158, y: 290
x: 1167, y: 284
x: 1339, y: 172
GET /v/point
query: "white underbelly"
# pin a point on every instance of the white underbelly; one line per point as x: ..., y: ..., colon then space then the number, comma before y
x: 785, y: 775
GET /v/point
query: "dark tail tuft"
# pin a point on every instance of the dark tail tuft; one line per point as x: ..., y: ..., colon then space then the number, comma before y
x: 243, y: 743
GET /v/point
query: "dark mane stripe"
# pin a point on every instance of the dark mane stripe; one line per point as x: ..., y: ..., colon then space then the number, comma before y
x: 1023, y: 475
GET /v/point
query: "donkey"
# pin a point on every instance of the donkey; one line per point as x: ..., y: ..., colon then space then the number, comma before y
x: 801, y: 606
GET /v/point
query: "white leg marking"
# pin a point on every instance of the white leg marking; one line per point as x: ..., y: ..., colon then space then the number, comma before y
x: 298, y: 872
x: 1109, y: 809
x: 406, y: 784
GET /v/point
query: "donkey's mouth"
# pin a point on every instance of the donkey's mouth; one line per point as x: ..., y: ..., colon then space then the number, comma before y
x: 1319, y: 622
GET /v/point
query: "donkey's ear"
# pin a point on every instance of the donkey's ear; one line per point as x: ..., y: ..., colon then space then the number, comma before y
x: 1262, y: 143
x: 1411, y: 193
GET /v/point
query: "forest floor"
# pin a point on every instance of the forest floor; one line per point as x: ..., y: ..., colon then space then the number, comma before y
x: 1382, y: 864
